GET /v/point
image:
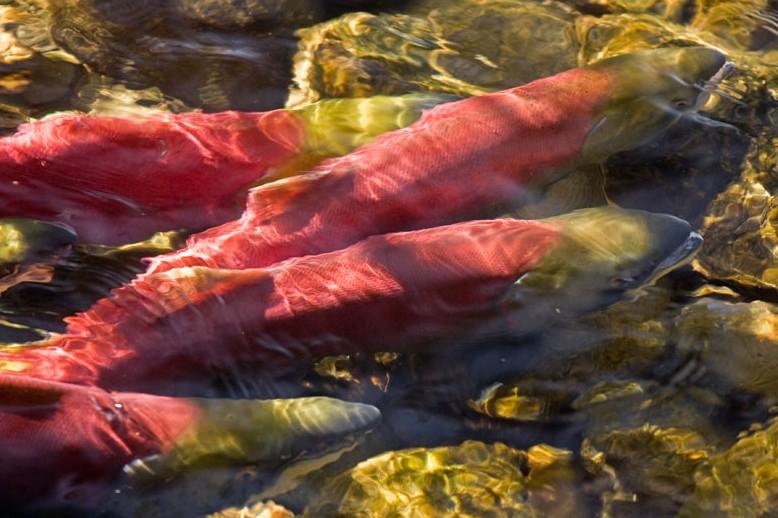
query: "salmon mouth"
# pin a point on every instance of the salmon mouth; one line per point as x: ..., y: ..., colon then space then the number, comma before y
x: 709, y: 87
x: 681, y: 256
x: 713, y: 88
x: 715, y: 72
x: 712, y: 84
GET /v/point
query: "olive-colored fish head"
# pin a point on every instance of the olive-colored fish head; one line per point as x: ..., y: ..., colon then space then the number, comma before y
x: 652, y: 90
x: 277, y: 430
x: 338, y: 126
x: 303, y: 421
x: 602, y: 253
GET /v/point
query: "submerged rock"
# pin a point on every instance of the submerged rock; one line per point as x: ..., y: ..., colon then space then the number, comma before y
x: 472, y: 479
x: 470, y: 46
x: 610, y: 406
x: 735, y: 343
x: 39, y: 78
x: 212, y: 54
x: 36, y: 77
x: 741, y: 481
x: 652, y: 468
x: 526, y: 400
x: 465, y: 48
x: 628, y: 336
x: 743, y: 24
x: 740, y: 228
x: 268, y: 509
x: 232, y: 14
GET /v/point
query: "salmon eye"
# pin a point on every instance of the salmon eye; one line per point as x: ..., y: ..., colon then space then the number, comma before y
x: 682, y: 104
x: 621, y: 282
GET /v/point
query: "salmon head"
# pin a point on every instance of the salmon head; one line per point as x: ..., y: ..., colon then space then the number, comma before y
x: 267, y: 431
x: 602, y: 253
x: 338, y: 126
x: 651, y: 90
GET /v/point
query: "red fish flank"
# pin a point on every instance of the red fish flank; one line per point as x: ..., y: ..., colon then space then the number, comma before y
x: 116, y: 180
x: 386, y: 292
x: 61, y: 440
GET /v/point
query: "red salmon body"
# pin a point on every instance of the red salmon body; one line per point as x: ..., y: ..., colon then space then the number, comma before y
x: 458, y: 161
x: 396, y: 289
x: 117, y: 180
x: 62, y: 440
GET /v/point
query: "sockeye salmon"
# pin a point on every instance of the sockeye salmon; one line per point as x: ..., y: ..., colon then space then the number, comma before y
x: 390, y: 292
x: 461, y: 160
x: 116, y: 180
x: 61, y: 441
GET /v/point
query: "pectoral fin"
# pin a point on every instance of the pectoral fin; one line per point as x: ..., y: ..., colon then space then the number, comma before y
x: 583, y: 188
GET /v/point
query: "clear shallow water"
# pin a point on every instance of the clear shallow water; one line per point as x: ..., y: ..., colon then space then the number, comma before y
x: 689, y: 353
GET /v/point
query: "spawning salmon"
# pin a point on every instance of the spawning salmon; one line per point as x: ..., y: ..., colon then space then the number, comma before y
x: 390, y: 292
x: 116, y: 180
x: 470, y: 158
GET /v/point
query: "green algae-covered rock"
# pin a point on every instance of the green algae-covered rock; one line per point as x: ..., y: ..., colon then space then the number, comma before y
x: 211, y: 54
x: 470, y: 480
x: 741, y: 481
x: 465, y: 48
x: 36, y: 77
x: 260, y: 510
x: 525, y: 400
x: 736, y: 343
x: 652, y: 467
x: 741, y: 226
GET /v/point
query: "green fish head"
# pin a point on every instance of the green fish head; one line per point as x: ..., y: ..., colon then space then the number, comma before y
x: 602, y: 253
x: 653, y: 89
x: 262, y: 431
x: 338, y: 126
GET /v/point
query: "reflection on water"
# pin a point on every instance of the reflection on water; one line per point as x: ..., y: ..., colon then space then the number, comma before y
x: 577, y: 364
